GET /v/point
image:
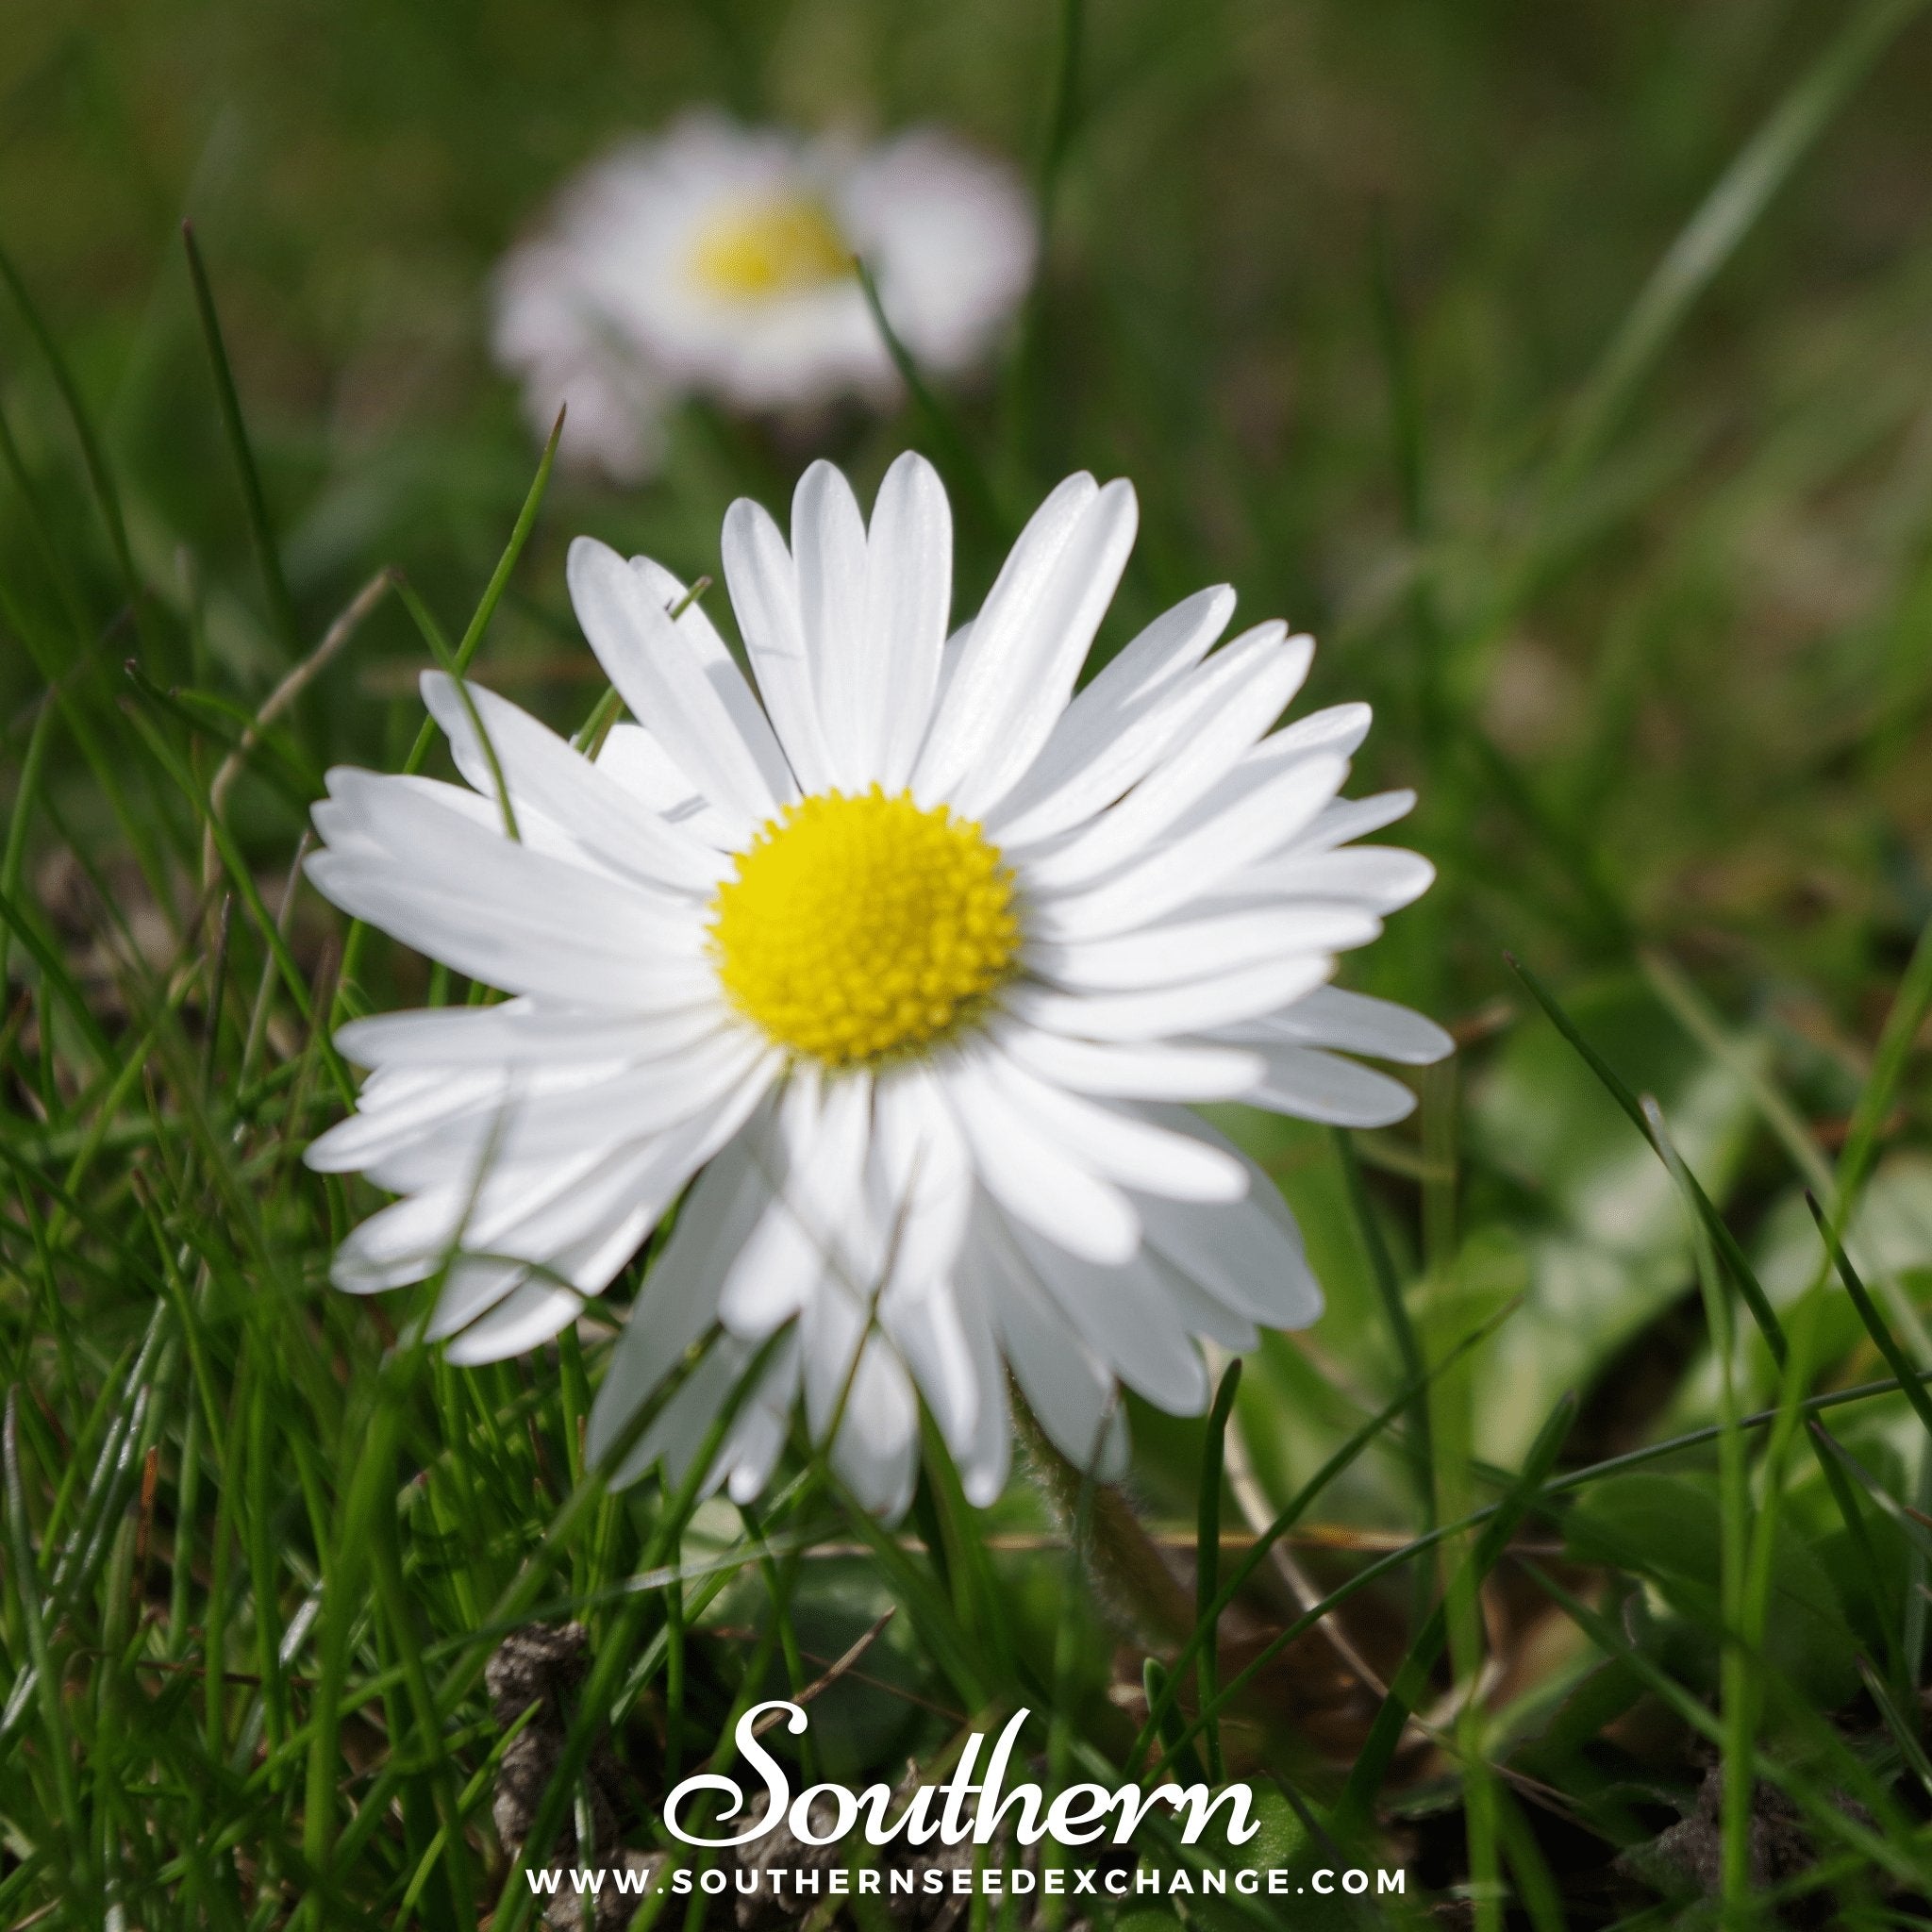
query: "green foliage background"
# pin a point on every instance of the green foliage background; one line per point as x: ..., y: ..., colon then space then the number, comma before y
x: 1565, y: 371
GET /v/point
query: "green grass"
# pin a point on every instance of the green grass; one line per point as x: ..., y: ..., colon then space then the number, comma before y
x: 1564, y: 370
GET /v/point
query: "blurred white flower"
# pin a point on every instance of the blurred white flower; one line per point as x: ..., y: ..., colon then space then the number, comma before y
x: 720, y: 260
x: 911, y: 956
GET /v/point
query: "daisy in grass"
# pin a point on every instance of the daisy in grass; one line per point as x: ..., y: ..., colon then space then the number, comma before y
x: 720, y: 260
x: 906, y: 959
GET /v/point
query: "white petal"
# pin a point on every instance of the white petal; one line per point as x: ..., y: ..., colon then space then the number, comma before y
x: 986, y: 1458
x: 1131, y: 1070
x: 1383, y: 878
x: 919, y: 1183
x: 929, y: 1335
x: 677, y: 1431
x: 1316, y: 1086
x: 954, y: 234
x: 750, y: 1445
x: 1339, y: 729
x: 828, y: 553
x: 541, y: 773
x: 638, y: 1103
x: 1321, y: 925
x: 1248, y: 1255
x: 474, y: 1285
x: 1354, y: 1022
x: 522, y: 923
x: 395, y: 1107
x: 701, y: 637
x: 547, y: 942
x: 1111, y: 735
x: 1129, y: 1321
x: 876, y: 1450
x: 1113, y: 1143
x: 909, y: 602
x: 520, y: 1033
x: 853, y: 1374
x: 532, y: 1315
x: 1017, y: 666
x: 1164, y: 1011
x: 764, y: 593
x: 750, y: 1451
x: 485, y: 1212
x: 1188, y: 949
x: 974, y: 677
x: 1200, y: 1312
x: 1353, y: 818
x: 1071, y: 1396
x: 566, y: 1223
x: 1231, y: 701
x: 1258, y: 821
x: 679, y: 1301
x: 665, y: 681
x: 817, y: 1154
x: 633, y: 759
x: 1030, y: 1175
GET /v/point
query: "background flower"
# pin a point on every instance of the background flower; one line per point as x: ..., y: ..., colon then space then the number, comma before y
x: 720, y: 260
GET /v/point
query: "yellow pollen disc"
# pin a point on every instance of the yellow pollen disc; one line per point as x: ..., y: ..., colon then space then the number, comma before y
x: 757, y: 250
x: 859, y: 927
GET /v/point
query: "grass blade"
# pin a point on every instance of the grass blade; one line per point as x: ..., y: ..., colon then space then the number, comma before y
x: 1887, y: 1344
x: 438, y: 648
x: 1408, y: 1348
x: 1208, y: 1558
x: 268, y: 557
x: 1355, y: 1807
x: 949, y: 443
x: 1713, y: 1223
x: 465, y: 650
x: 100, y: 477
x: 1737, y: 1677
x: 59, y: 1743
x: 1719, y: 224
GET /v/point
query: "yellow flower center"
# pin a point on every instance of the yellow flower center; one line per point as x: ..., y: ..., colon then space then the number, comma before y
x: 757, y: 250
x: 859, y: 927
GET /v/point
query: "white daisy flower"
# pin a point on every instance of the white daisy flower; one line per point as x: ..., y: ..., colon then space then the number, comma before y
x: 910, y: 957
x: 719, y: 260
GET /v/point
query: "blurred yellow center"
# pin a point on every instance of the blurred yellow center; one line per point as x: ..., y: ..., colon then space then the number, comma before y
x: 760, y: 249
x: 859, y: 927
